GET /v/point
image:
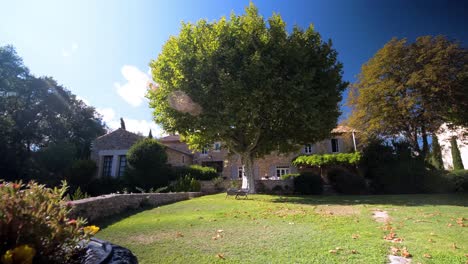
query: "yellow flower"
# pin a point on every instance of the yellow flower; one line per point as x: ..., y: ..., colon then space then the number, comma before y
x: 91, y: 229
x: 8, y: 257
x: 23, y: 254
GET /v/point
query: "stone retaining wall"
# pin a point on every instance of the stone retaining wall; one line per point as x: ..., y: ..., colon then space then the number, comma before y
x: 99, y: 207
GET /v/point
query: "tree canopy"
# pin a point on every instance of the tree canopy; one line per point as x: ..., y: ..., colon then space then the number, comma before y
x: 36, y: 112
x: 248, y: 83
x: 410, y: 89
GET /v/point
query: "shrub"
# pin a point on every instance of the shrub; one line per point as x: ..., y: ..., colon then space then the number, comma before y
x: 196, y: 171
x: 308, y: 183
x: 105, y: 185
x: 392, y: 168
x: 186, y: 184
x: 289, y: 176
x: 147, y: 165
x: 277, y: 189
x: 459, y: 179
x: 78, y: 194
x: 260, y: 187
x: 218, y: 183
x: 35, y: 227
x: 236, y: 184
x: 81, y: 173
x: 346, y: 182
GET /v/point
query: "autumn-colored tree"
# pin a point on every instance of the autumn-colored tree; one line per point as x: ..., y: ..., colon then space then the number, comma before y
x: 409, y: 89
x: 255, y: 87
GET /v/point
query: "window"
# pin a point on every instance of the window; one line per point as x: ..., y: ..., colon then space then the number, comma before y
x: 240, y: 171
x: 204, y: 151
x: 107, y: 166
x: 281, y: 170
x: 308, y: 149
x: 122, y: 164
x: 334, y: 144
x: 217, y: 146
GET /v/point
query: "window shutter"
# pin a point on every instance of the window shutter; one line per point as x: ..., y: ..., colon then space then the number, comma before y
x: 272, y: 171
x: 234, y: 172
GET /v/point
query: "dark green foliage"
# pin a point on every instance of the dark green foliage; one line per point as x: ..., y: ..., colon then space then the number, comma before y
x: 308, y: 183
x: 54, y: 161
x: 122, y: 123
x: 186, y: 184
x: 37, y: 113
x: 392, y: 168
x: 277, y: 189
x: 346, y: 182
x: 459, y: 179
x: 196, y: 171
x: 289, y: 176
x: 446, y: 182
x: 106, y: 185
x: 328, y: 159
x: 436, y: 154
x: 81, y: 173
x: 147, y: 165
x: 456, y: 156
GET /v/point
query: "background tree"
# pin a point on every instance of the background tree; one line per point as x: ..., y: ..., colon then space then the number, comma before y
x: 456, y: 156
x: 147, y: 162
x: 409, y: 89
x: 122, y: 123
x: 253, y: 86
x: 436, y: 154
x: 35, y: 113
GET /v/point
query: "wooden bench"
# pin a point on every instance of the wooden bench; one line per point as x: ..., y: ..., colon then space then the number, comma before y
x: 237, y: 193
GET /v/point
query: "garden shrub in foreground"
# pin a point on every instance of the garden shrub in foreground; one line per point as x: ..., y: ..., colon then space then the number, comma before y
x: 35, y: 227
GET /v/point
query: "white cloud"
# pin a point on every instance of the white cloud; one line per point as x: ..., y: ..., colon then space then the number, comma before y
x: 67, y: 52
x: 134, y: 90
x: 133, y: 125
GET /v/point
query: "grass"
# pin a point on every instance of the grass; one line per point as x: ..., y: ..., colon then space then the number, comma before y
x: 295, y: 229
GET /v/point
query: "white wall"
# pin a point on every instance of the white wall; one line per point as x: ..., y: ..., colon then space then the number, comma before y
x: 444, y: 135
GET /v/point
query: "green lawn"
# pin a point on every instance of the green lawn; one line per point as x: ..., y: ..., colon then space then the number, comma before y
x: 295, y: 229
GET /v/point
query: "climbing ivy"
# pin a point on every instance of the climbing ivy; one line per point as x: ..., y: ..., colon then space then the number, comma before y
x: 328, y: 159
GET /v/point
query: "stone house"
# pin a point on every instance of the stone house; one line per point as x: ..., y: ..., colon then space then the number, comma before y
x: 109, y: 153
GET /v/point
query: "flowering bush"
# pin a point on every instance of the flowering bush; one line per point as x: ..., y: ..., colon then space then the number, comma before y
x: 34, y: 227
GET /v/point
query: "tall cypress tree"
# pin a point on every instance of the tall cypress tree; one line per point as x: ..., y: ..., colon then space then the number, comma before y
x: 436, y: 155
x: 456, y: 156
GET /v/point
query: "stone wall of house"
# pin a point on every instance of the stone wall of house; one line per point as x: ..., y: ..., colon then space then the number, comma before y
x: 176, y: 158
x: 98, y: 208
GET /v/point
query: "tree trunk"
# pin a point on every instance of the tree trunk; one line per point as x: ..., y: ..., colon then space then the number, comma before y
x: 425, y: 148
x: 248, y: 179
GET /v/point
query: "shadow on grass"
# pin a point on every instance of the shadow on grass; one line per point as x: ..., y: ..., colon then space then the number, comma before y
x: 401, y: 199
x: 107, y: 221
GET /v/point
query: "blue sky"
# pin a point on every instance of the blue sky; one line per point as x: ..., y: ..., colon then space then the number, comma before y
x: 100, y: 50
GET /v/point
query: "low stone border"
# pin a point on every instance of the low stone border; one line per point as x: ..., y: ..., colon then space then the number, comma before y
x: 96, y: 208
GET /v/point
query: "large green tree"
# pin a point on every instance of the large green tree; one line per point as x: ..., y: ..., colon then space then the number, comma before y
x: 36, y: 112
x: 409, y: 89
x: 248, y: 83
